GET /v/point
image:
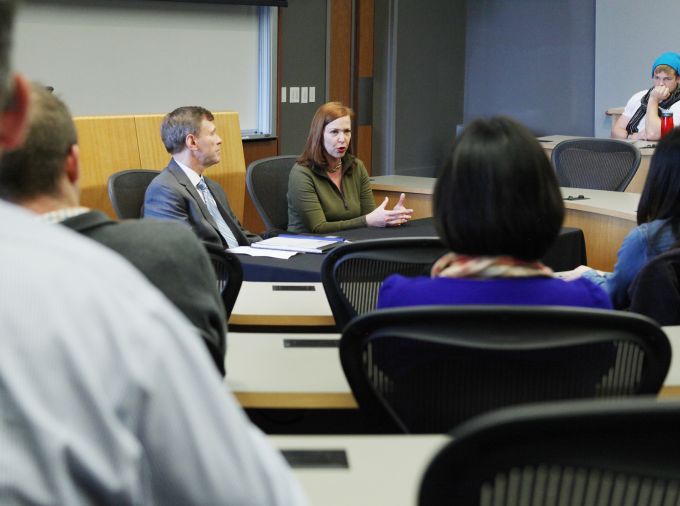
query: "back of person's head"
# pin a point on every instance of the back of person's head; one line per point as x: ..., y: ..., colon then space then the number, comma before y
x: 498, y: 194
x: 660, y: 197
x: 314, y: 152
x: 180, y: 123
x: 36, y: 168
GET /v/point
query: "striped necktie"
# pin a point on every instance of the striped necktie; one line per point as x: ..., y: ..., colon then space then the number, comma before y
x: 222, y: 226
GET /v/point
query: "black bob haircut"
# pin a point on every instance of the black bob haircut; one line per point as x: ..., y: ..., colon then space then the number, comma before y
x: 498, y: 193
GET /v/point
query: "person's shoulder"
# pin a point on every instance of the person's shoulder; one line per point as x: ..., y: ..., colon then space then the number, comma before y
x: 637, y: 96
x: 397, y: 290
x: 300, y: 167
x: 82, y: 267
x: 300, y: 172
x: 646, y: 231
x: 154, y: 230
x: 400, y: 282
x: 360, y: 167
x: 164, y: 178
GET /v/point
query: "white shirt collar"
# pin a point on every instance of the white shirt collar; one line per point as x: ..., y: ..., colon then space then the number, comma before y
x: 63, y: 214
x: 191, y: 174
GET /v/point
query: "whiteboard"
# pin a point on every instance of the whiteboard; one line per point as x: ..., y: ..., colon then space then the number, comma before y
x: 108, y: 58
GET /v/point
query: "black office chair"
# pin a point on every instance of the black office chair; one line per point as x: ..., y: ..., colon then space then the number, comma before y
x: 352, y: 274
x: 229, y: 274
x: 267, y: 182
x: 126, y: 191
x: 623, y: 452
x: 426, y: 369
x: 597, y: 164
x: 655, y: 291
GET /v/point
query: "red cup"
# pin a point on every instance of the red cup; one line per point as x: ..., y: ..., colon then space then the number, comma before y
x: 666, y: 122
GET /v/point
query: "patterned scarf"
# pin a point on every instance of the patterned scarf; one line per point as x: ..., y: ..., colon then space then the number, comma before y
x: 632, y: 125
x: 452, y: 265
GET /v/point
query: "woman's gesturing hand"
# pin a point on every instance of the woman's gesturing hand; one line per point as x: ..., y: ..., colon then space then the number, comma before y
x: 381, y: 217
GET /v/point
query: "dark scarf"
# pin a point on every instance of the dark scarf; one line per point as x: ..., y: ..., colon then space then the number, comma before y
x: 632, y: 125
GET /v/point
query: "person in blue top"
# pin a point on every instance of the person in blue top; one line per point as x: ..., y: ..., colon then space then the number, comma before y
x: 658, y: 218
x: 498, y: 208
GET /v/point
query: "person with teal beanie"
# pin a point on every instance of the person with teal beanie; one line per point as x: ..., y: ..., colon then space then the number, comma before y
x: 641, y: 116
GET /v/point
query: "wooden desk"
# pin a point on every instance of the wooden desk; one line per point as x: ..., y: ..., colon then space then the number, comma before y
x: 281, y: 304
x: 646, y: 150
x: 262, y: 373
x: 383, y: 470
x: 418, y: 192
x: 605, y: 218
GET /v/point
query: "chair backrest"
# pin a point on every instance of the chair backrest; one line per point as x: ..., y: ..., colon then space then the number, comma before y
x: 426, y: 369
x: 267, y: 182
x: 126, y: 191
x: 229, y: 274
x: 655, y: 291
x: 352, y: 274
x: 597, y: 164
x: 623, y: 452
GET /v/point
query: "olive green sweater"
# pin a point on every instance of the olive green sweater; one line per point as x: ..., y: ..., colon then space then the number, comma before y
x: 316, y: 205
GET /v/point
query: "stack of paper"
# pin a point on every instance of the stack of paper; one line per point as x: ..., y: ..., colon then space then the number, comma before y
x: 298, y: 243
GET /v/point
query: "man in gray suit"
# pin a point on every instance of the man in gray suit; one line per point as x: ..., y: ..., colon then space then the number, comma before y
x: 42, y: 176
x: 181, y: 192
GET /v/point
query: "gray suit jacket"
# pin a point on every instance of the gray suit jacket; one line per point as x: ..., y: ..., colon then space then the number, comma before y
x: 171, y: 196
x: 173, y: 260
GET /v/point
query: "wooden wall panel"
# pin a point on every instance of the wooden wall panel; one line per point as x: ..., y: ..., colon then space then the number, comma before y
x: 365, y: 22
x: 340, y: 85
x: 107, y: 145
x: 152, y: 153
x: 363, y: 147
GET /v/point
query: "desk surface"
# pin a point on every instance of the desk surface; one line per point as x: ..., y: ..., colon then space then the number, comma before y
x: 263, y: 373
x: 282, y: 304
x: 382, y: 471
x: 615, y: 204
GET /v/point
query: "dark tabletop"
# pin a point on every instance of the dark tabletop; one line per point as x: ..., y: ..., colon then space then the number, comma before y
x: 568, y: 252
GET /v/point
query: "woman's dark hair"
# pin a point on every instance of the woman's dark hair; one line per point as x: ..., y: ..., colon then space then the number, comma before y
x: 498, y: 194
x: 660, y: 197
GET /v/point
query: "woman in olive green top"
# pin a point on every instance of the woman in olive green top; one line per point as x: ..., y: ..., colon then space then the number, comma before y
x: 328, y: 188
